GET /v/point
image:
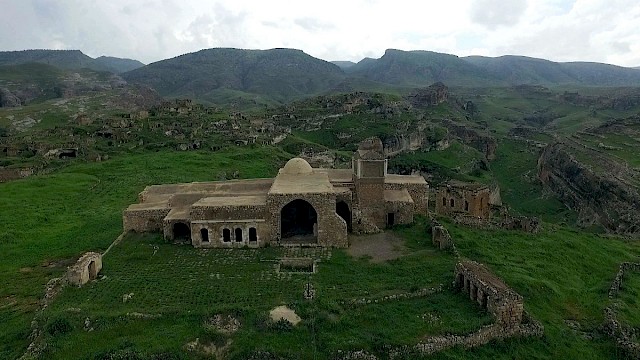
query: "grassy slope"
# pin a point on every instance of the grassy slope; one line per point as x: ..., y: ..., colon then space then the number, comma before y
x: 51, y: 218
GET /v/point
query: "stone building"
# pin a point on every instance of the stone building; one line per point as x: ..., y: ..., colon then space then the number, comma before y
x: 85, y: 269
x: 301, y: 205
x: 466, y: 198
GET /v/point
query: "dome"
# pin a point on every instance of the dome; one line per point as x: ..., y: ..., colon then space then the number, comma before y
x: 297, y: 166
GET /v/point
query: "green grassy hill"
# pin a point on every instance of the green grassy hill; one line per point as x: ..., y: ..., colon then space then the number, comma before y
x: 277, y: 74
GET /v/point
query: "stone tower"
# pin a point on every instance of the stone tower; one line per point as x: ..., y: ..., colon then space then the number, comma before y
x: 369, y: 169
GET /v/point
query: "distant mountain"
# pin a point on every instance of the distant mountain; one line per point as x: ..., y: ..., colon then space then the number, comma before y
x: 516, y: 70
x: 68, y: 60
x: 118, y: 65
x: 343, y: 64
x: 222, y: 74
x: 420, y: 68
x: 423, y: 68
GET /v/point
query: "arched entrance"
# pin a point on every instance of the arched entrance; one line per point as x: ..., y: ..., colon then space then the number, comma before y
x: 298, y: 222
x: 181, y: 232
x: 342, y: 209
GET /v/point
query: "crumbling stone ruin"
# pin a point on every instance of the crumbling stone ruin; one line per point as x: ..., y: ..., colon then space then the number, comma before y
x: 440, y: 237
x: 466, y: 198
x: 300, y: 206
x: 622, y: 333
x: 85, y: 269
x: 490, y: 292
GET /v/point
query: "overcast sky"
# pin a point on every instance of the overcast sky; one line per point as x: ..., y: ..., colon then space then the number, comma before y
x: 151, y: 30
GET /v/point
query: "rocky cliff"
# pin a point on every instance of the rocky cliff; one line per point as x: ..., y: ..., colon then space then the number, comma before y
x: 597, y: 198
x: 474, y: 138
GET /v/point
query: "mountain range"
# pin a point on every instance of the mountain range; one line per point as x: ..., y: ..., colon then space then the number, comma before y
x: 69, y: 60
x: 224, y: 75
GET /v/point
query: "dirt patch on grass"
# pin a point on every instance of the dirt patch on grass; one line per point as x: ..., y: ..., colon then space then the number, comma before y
x: 283, y: 312
x: 378, y: 247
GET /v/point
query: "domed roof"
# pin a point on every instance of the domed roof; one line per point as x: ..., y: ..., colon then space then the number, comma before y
x: 297, y: 166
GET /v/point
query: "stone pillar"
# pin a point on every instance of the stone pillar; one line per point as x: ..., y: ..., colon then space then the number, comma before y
x: 473, y: 292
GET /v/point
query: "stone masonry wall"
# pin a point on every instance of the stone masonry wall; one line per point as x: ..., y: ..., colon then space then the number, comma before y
x: 216, y: 234
x: 482, y: 286
x: 332, y: 229
x: 144, y: 220
x: 471, y: 202
x: 85, y: 269
x: 419, y: 193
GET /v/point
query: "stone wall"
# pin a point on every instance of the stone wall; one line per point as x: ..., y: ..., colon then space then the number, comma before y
x: 369, y: 197
x: 14, y: 174
x: 460, y: 199
x: 332, y: 229
x: 622, y: 333
x: 440, y: 237
x: 222, y: 234
x: 506, y: 222
x: 144, y: 220
x: 419, y: 194
x: 85, y: 269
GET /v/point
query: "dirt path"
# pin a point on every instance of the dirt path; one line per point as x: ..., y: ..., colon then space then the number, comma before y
x: 380, y: 247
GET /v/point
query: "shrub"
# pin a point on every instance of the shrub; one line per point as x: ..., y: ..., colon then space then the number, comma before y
x: 59, y: 326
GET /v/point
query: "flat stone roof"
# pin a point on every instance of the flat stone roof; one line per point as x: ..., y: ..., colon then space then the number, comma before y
x: 178, y: 214
x: 219, y: 201
x: 338, y: 175
x: 148, y: 206
x: 316, y: 182
x: 230, y: 186
x: 467, y: 185
x: 404, y: 179
x: 397, y: 196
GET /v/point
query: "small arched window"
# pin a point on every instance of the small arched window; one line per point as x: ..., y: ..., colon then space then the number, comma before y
x: 452, y: 203
x: 238, y: 235
x: 226, y: 235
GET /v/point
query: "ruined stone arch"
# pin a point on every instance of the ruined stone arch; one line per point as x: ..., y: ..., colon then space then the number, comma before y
x: 298, y: 220
x: 343, y: 210
x: 181, y: 232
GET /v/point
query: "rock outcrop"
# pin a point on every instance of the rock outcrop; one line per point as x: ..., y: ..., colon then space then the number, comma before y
x: 8, y: 99
x: 431, y: 96
x: 474, y: 138
x: 598, y: 198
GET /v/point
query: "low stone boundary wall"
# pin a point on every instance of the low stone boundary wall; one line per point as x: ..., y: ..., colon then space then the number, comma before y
x: 431, y: 345
x: 508, y: 222
x: 622, y: 334
x: 424, y: 292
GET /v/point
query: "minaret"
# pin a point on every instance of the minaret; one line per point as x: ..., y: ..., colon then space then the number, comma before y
x: 369, y: 169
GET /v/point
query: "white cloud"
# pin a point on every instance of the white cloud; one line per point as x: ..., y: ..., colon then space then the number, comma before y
x: 151, y: 30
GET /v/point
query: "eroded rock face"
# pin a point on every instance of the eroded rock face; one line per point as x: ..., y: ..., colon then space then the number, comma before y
x: 474, y: 138
x: 8, y: 99
x: 597, y: 198
x: 431, y: 96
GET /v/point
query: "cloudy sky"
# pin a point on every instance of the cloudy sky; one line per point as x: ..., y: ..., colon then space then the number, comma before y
x: 151, y: 30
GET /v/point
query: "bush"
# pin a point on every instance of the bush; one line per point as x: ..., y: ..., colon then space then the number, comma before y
x: 59, y: 326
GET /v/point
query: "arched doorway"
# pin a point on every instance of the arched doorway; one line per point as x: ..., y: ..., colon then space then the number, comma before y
x: 342, y: 209
x: 181, y: 232
x: 298, y: 221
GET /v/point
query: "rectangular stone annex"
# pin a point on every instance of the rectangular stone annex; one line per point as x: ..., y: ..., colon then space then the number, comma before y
x: 300, y: 206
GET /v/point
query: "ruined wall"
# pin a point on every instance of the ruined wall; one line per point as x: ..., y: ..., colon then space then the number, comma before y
x: 144, y: 220
x: 403, y: 212
x: 450, y: 200
x: 440, y: 237
x: 419, y: 194
x: 490, y: 292
x: 14, y: 174
x: 85, y: 269
x: 332, y: 229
